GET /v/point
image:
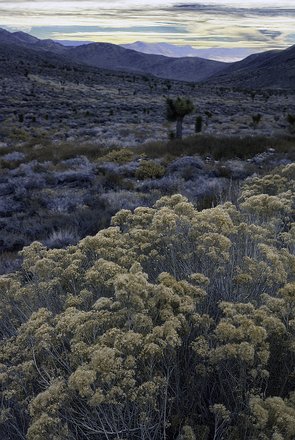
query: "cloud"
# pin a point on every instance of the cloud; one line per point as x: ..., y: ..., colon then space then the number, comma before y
x: 225, y: 9
x: 269, y: 33
x: 257, y: 24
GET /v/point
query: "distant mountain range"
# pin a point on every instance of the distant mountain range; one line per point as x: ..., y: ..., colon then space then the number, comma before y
x: 223, y: 54
x: 264, y: 70
x: 114, y: 57
x: 228, y: 55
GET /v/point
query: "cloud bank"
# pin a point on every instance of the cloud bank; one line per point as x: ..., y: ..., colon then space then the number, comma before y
x: 257, y: 24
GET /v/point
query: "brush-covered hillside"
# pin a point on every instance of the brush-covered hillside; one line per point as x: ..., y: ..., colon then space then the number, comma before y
x: 271, y: 69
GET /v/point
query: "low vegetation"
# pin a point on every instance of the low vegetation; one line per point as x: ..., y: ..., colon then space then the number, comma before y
x: 173, y: 323
x: 59, y: 193
x: 220, y: 147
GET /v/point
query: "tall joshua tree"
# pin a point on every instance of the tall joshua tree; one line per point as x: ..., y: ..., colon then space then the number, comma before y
x: 176, y: 110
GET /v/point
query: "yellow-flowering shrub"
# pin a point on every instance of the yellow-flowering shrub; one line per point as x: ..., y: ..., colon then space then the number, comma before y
x: 173, y: 323
x: 149, y: 169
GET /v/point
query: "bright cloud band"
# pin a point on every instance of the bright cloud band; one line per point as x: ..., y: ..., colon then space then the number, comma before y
x: 225, y: 23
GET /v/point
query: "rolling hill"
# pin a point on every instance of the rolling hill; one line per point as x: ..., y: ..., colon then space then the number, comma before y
x: 271, y: 69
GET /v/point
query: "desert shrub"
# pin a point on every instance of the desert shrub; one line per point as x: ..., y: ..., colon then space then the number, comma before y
x: 45, y: 150
x: 14, y: 156
x: 61, y: 238
x: 62, y: 201
x: 186, y: 167
x: 218, y: 147
x: 164, y: 186
x: 9, y: 262
x: 13, y: 240
x: 149, y: 169
x: 122, y: 156
x: 8, y: 165
x: 124, y: 199
x: 126, y: 170
x: 112, y: 180
x: 232, y: 169
x: 172, y: 323
x: 205, y: 187
x: 222, y: 170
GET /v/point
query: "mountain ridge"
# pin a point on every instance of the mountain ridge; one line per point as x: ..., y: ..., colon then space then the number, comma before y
x: 107, y: 55
x: 115, y: 57
x: 270, y: 69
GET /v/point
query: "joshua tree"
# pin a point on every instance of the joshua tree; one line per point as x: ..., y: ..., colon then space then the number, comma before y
x: 198, y: 124
x: 253, y: 95
x: 176, y: 110
x: 256, y: 119
x: 291, y: 121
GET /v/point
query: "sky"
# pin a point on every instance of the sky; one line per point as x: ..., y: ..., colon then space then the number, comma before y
x: 254, y: 24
